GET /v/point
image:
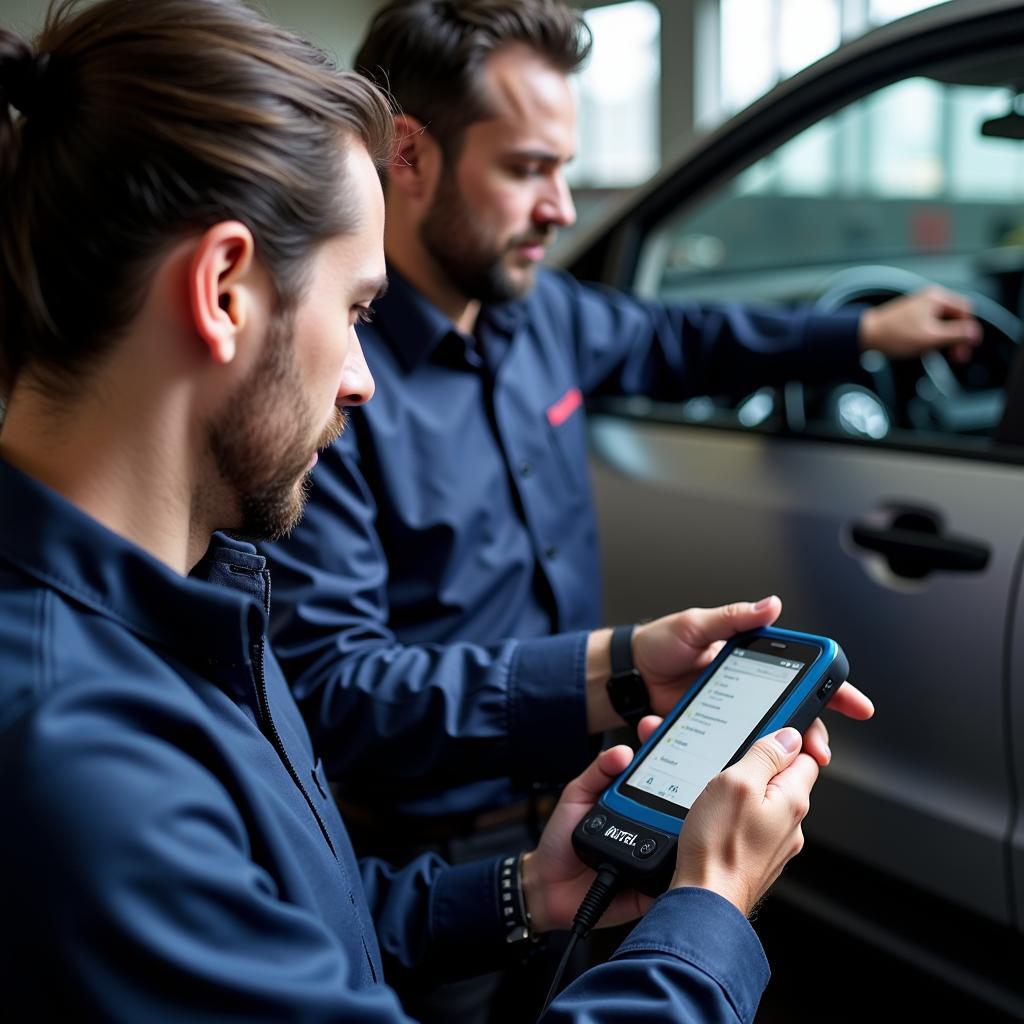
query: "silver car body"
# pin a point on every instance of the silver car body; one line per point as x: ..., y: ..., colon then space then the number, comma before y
x: 698, y: 508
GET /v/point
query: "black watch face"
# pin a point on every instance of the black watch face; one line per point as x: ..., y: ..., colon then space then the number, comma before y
x: 627, y: 692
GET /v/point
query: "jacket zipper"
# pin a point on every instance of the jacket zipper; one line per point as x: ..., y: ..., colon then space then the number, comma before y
x: 275, y: 738
x: 264, y: 701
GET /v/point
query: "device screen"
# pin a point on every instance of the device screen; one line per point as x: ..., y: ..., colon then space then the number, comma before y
x: 719, y: 720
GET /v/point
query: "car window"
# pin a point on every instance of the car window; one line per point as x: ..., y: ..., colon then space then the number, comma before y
x: 922, y: 180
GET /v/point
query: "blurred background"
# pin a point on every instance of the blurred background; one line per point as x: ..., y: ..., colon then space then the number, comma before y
x: 661, y: 73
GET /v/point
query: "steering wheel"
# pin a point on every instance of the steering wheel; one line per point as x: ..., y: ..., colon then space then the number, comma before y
x: 929, y: 393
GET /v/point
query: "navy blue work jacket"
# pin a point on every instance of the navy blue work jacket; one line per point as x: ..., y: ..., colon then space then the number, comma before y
x: 445, y: 574
x: 170, y: 851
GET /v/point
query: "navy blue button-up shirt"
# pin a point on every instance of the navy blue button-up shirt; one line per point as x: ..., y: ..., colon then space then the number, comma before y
x: 170, y: 850
x: 446, y: 571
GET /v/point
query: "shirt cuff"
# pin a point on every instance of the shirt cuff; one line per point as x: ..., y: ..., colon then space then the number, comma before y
x: 466, y: 924
x: 709, y: 932
x: 831, y: 342
x: 547, y: 709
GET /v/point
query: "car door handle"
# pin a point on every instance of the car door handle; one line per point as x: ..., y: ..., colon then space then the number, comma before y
x: 916, y: 552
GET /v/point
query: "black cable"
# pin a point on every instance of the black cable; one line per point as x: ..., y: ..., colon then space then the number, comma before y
x: 557, y: 979
x: 592, y: 907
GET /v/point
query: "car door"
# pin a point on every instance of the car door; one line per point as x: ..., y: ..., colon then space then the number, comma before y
x: 887, y: 509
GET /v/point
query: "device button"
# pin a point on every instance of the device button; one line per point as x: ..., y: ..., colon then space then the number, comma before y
x: 826, y: 688
x: 594, y: 825
x: 645, y: 849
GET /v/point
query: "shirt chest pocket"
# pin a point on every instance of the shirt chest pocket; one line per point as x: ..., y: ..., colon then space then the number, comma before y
x: 565, y: 425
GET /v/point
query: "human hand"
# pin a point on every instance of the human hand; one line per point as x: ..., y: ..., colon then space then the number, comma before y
x: 555, y: 880
x: 848, y: 701
x: 671, y: 652
x: 913, y: 324
x: 746, y: 825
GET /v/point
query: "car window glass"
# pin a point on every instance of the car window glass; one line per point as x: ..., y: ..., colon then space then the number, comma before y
x: 920, y: 181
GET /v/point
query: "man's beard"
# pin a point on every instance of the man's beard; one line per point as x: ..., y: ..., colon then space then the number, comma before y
x: 471, y: 261
x: 261, y: 442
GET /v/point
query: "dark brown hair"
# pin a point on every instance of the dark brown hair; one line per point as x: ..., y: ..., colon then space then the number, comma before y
x: 429, y: 53
x: 141, y: 121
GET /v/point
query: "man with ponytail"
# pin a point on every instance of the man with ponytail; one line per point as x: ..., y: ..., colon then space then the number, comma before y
x: 191, y: 224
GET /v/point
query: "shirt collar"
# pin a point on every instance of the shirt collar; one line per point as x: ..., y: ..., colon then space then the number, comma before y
x: 415, y: 327
x: 50, y: 539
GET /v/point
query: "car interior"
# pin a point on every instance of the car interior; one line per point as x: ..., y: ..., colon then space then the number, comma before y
x: 919, y: 181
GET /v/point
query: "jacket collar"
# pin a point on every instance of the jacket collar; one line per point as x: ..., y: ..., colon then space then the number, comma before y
x: 50, y: 539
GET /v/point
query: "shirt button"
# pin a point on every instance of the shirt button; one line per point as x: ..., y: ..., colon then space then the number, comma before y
x: 525, y: 469
x: 551, y: 552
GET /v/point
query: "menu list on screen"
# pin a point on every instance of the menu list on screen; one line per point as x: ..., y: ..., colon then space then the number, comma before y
x: 703, y: 739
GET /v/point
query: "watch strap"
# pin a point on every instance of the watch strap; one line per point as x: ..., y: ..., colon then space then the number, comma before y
x: 622, y: 650
x: 626, y: 689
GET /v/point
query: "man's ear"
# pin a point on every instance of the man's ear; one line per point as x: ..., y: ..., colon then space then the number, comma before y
x: 416, y: 166
x: 220, y: 286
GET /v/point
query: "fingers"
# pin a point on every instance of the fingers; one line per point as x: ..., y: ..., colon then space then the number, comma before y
x: 647, y: 725
x: 794, y: 785
x: 598, y: 775
x: 708, y: 655
x: 626, y: 906
x: 947, y: 303
x: 964, y: 334
x: 745, y: 826
x: 816, y: 742
x: 767, y: 757
x: 956, y: 323
x: 706, y: 625
x: 927, y: 319
x: 849, y: 701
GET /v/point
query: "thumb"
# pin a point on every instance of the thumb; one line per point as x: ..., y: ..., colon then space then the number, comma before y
x: 598, y: 775
x: 769, y: 756
x: 706, y: 625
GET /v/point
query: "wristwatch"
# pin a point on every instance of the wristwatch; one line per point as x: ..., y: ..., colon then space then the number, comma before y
x: 626, y: 689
